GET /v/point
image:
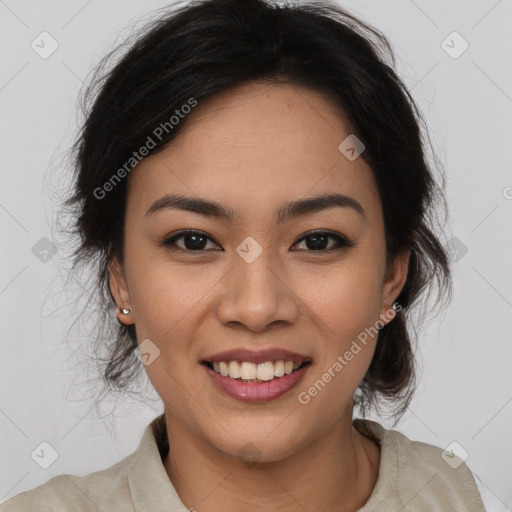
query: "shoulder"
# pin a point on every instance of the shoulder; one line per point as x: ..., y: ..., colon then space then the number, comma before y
x: 100, y: 490
x: 420, y: 476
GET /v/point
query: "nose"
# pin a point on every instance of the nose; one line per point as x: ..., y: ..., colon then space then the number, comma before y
x: 257, y: 295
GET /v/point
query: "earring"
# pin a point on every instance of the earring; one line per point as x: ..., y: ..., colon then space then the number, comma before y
x: 125, y: 311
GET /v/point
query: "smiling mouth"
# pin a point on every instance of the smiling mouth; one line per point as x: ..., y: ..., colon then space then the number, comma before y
x: 245, y: 371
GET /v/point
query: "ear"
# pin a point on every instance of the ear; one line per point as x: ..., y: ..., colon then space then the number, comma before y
x: 394, y: 281
x: 119, y: 290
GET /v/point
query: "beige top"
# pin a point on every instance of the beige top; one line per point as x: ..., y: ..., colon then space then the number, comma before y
x: 413, y: 477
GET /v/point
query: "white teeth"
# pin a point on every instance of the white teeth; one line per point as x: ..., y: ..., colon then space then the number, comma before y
x: 234, y: 369
x: 279, y: 368
x: 223, y: 367
x: 265, y: 371
x: 250, y: 371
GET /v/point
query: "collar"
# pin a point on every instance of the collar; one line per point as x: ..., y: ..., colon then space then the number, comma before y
x: 149, y: 484
x: 152, y: 490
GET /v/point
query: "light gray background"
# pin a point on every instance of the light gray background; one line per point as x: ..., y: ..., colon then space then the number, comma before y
x: 465, y: 394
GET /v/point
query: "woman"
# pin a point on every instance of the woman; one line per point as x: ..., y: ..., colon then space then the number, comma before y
x: 253, y: 187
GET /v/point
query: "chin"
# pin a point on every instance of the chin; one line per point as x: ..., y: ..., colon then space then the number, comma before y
x: 256, y: 445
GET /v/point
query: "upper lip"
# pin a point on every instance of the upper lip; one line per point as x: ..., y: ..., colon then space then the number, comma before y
x: 256, y: 357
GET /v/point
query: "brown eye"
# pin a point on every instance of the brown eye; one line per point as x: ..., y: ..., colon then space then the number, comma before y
x: 318, y: 241
x: 192, y: 241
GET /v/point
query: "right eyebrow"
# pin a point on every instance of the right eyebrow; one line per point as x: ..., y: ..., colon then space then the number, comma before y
x: 287, y: 212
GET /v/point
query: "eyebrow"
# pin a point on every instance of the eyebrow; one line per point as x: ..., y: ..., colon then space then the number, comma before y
x: 287, y: 212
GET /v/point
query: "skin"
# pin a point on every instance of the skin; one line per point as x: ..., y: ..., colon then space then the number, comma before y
x: 253, y: 149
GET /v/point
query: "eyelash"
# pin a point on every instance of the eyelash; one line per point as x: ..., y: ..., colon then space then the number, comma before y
x: 341, y: 241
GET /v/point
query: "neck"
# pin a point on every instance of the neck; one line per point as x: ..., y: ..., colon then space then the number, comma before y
x: 335, y: 473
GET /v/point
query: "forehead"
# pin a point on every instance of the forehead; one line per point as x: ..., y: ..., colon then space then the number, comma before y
x: 253, y: 146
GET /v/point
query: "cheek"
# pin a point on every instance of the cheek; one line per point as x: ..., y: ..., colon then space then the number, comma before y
x: 347, y: 307
x: 346, y: 304
x: 347, y: 299
x: 169, y: 301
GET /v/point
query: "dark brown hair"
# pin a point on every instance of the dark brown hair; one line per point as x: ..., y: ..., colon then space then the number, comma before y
x: 206, y: 47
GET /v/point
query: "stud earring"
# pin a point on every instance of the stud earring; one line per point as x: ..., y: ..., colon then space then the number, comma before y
x: 125, y: 311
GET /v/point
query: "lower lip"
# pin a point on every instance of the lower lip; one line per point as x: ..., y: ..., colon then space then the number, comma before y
x: 257, y: 391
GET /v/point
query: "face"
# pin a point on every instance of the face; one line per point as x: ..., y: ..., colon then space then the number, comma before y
x: 254, y: 280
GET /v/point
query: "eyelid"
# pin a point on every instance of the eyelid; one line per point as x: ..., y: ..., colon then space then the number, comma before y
x: 334, y: 234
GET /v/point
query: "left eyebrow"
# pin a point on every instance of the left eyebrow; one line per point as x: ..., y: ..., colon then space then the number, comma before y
x: 287, y: 212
